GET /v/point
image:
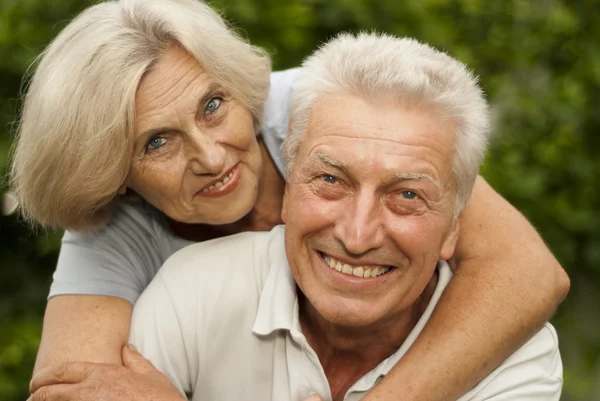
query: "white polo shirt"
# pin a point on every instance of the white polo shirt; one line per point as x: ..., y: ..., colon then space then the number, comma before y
x: 220, y: 319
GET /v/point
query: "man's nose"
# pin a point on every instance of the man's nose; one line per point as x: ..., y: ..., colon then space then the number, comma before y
x: 206, y: 156
x: 360, y: 227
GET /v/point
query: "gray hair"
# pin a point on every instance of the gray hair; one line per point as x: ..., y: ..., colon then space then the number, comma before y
x: 75, y: 139
x: 375, y: 65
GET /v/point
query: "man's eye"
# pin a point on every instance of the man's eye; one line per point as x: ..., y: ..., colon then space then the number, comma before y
x: 154, y: 143
x: 213, y: 105
x: 330, y: 179
x: 410, y: 195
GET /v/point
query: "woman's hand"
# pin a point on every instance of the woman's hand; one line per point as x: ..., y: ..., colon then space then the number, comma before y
x: 138, y: 380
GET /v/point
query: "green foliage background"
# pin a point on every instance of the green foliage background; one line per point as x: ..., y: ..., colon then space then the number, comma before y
x: 539, y: 61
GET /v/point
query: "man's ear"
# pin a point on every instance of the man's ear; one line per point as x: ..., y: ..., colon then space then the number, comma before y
x: 450, y: 242
x: 284, y: 206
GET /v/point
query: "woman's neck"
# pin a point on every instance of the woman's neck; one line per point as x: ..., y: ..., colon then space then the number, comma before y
x: 266, y: 213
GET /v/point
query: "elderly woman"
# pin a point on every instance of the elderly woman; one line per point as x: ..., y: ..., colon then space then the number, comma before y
x: 148, y: 124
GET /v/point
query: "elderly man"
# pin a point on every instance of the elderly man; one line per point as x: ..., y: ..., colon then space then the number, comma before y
x: 386, y: 139
x: 385, y: 143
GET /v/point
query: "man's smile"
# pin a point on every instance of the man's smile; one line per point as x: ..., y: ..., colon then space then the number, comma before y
x: 363, y: 271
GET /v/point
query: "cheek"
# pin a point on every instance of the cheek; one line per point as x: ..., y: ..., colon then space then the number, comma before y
x: 303, y: 208
x: 417, y: 232
x: 419, y: 237
x: 156, y: 182
x: 239, y: 132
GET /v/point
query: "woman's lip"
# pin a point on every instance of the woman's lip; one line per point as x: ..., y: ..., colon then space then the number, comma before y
x: 224, y: 189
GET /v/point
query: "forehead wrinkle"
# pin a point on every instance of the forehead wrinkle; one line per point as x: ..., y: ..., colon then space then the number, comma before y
x: 158, y: 91
x: 155, y: 110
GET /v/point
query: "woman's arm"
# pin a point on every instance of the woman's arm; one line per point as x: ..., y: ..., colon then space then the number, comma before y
x: 506, y: 285
x: 156, y: 330
x: 99, y: 275
x: 84, y: 328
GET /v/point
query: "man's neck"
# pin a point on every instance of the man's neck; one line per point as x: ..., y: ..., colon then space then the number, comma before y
x: 348, y: 353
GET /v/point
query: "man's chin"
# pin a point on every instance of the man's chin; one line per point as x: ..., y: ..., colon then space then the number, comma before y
x: 348, y: 312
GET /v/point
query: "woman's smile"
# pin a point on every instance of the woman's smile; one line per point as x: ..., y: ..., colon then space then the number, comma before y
x: 223, y: 185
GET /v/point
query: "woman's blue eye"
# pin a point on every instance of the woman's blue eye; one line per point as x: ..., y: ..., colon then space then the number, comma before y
x: 155, y: 142
x: 329, y: 179
x: 213, y: 105
x: 410, y: 195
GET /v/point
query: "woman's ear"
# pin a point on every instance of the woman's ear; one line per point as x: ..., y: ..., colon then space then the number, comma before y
x: 122, y: 189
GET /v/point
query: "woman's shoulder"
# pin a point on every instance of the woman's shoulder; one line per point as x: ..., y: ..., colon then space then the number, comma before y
x: 118, y: 259
x: 277, y: 111
x: 129, y: 216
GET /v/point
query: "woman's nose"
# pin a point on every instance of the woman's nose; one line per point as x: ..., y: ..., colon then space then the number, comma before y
x: 206, y: 157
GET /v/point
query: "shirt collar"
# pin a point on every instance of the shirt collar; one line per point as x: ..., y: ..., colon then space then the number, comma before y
x: 444, y: 276
x: 278, y: 304
x: 367, y: 382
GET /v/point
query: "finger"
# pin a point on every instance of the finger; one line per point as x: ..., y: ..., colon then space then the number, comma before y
x: 66, y: 372
x: 135, y: 361
x: 57, y: 392
x: 313, y: 397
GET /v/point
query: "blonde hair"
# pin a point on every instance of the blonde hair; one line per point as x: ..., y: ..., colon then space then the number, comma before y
x: 74, y: 144
x: 377, y: 65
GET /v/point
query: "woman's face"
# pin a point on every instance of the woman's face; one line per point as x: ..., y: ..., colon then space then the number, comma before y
x: 196, y: 156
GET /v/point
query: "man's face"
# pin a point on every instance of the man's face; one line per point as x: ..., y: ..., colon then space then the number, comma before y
x: 368, y: 207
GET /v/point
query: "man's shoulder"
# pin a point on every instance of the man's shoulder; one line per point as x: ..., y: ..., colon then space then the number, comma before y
x: 230, y: 252
x: 225, y: 270
x: 540, y: 356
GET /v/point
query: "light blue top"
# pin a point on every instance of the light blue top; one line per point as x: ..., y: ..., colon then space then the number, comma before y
x: 121, y: 258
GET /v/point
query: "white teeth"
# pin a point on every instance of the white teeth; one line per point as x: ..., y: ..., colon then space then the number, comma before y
x: 358, y: 271
x: 220, y: 183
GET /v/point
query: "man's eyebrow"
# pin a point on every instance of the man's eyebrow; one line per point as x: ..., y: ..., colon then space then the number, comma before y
x: 323, y: 158
x: 330, y: 161
x: 417, y: 177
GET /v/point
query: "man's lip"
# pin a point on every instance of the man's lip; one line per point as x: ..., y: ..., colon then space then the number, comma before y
x: 355, y: 262
x: 342, y: 280
x: 224, y: 189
